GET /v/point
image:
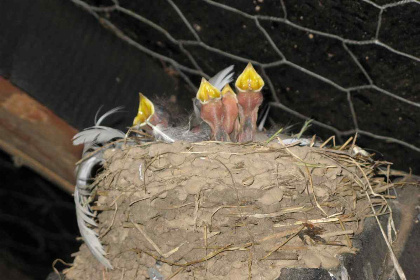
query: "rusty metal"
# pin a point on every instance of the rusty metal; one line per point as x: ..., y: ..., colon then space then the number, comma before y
x: 36, y: 137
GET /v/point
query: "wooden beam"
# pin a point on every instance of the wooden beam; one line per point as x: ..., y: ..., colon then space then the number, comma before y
x: 36, y: 137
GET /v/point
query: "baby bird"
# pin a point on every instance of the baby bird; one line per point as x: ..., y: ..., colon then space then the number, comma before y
x: 249, y: 85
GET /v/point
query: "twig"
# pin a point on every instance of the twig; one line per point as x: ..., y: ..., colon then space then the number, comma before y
x: 138, y: 200
x: 349, y: 243
x: 313, y: 192
x: 153, y: 243
x: 277, y: 235
x: 315, y: 221
x: 337, y: 233
x: 328, y: 140
x: 175, y: 273
x: 345, y: 144
x: 249, y: 264
x: 397, y: 265
x: 305, y: 127
x: 287, y: 240
x: 113, y: 218
x: 196, y: 208
x: 274, y: 135
x: 55, y: 269
x: 207, y: 257
x: 278, y: 213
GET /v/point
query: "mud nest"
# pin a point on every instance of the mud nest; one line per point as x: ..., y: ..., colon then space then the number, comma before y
x: 215, y: 210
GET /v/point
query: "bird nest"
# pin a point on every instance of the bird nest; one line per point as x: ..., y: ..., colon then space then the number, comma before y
x: 214, y: 210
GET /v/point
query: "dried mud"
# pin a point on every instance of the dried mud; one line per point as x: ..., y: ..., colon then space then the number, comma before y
x: 225, y: 211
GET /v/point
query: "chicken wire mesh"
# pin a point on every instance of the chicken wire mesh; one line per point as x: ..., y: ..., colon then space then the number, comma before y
x: 351, y: 66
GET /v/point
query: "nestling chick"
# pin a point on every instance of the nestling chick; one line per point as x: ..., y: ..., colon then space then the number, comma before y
x: 249, y: 85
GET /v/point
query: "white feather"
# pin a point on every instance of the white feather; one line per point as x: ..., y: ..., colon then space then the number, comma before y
x: 93, y: 243
x: 302, y: 141
x: 222, y: 78
x: 91, y: 137
x: 84, y: 213
x: 184, y: 134
x: 110, y: 112
x: 159, y: 134
x: 98, y: 134
x: 264, y: 119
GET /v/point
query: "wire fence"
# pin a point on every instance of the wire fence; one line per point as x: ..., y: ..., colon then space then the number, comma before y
x: 189, y: 35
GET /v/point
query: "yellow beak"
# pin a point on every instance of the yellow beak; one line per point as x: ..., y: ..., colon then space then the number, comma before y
x: 227, y: 89
x: 249, y: 80
x: 146, y: 111
x: 207, y: 92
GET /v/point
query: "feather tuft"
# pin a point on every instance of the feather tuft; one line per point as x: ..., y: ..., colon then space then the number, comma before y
x: 222, y: 78
x: 185, y: 134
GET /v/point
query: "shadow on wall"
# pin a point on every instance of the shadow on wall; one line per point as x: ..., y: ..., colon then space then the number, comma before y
x: 37, y: 223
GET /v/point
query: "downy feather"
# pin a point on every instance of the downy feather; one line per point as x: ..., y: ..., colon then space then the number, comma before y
x: 222, y: 78
x: 183, y: 134
x: 159, y: 134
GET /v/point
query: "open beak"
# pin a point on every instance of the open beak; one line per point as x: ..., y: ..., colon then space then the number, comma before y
x: 249, y: 85
x: 230, y: 112
x: 148, y: 115
x: 212, y: 109
x: 145, y: 112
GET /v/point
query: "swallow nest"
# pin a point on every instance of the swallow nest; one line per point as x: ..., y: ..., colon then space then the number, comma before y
x: 215, y: 210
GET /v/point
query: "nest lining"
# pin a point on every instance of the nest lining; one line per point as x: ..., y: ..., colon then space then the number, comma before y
x: 214, y: 210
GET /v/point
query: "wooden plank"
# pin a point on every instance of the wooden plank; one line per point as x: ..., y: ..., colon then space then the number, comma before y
x: 36, y: 137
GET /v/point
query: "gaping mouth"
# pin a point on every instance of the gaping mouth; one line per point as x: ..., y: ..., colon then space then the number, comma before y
x: 207, y: 92
x: 249, y: 80
x: 146, y: 111
x: 212, y: 109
